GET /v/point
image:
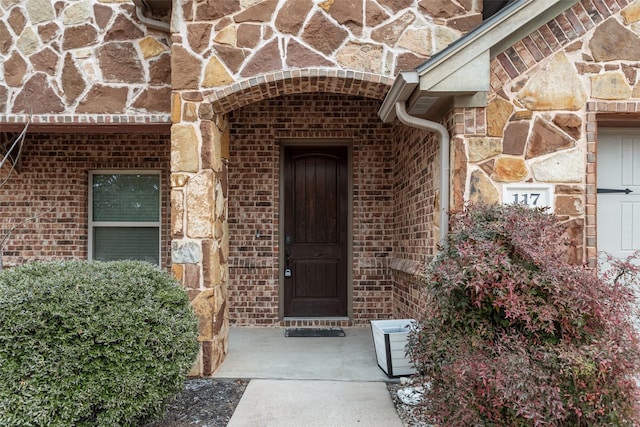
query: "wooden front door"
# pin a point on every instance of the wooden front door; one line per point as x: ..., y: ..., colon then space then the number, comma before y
x: 619, y: 192
x: 315, y: 231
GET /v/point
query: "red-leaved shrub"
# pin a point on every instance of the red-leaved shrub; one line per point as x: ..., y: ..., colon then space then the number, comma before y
x: 517, y: 336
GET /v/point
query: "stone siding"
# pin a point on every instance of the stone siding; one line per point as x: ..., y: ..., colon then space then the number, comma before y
x: 543, y: 132
x: 81, y: 58
x: 232, y: 41
x: 52, y: 179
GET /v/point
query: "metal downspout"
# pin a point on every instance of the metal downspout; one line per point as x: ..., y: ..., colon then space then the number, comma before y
x: 445, y: 143
x: 141, y: 8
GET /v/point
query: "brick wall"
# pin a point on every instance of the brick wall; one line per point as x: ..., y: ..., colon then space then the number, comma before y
x: 254, y: 174
x: 53, y: 173
x: 416, y: 200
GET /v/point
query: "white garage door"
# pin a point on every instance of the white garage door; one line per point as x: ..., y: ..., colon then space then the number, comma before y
x: 619, y: 191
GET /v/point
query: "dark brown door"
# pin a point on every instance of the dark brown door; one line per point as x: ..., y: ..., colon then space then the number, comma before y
x: 315, y: 234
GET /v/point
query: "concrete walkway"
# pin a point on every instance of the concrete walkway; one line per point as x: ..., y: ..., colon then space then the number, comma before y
x: 308, y: 382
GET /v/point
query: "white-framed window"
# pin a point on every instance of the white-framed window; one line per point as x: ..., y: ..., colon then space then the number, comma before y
x: 124, y: 215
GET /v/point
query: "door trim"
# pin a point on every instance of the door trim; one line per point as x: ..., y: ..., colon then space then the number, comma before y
x: 308, y: 142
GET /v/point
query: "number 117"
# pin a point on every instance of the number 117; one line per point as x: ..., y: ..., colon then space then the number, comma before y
x: 529, y: 199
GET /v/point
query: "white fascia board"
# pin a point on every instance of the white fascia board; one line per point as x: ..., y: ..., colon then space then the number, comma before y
x: 471, y: 77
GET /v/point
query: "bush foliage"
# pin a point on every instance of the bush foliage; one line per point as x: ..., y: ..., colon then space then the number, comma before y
x: 516, y: 336
x: 91, y: 344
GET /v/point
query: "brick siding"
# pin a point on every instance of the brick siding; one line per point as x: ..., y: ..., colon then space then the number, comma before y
x: 254, y: 174
x: 53, y: 173
x: 393, y: 201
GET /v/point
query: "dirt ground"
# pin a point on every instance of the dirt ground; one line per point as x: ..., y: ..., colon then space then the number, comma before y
x: 205, y: 402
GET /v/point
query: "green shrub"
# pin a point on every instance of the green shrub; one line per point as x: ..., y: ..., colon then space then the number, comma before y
x: 516, y: 336
x: 91, y: 344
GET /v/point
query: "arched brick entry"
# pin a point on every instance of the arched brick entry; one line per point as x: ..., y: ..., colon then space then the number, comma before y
x: 312, y: 80
x: 203, y: 162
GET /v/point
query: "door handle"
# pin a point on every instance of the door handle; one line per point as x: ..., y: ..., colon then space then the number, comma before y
x: 613, y: 191
x: 287, y: 269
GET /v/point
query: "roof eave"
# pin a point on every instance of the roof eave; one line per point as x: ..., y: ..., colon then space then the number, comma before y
x: 461, y: 70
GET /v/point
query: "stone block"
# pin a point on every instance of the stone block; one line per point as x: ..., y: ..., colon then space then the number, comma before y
x: 199, y: 205
x: 515, y: 138
x: 322, y: 34
x: 570, y: 123
x: 190, y: 66
x: 79, y: 36
x: 189, y: 112
x: 292, y: 15
x: 498, y: 112
x: 302, y: 57
x: 215, y: 74
x: 192, y: 276
x: 481, y: 189
x: 482, y: 148
x: 542, y: 93
x: 38, y: 97
x: 417, y: 41
x: 565, y: 167
x: 40, y: 11
x: 612, y: 86
x: 151, y: 47
x: 228, y: 35
x: 571, y: 205
x: 177, y: 270
x: 15, y: 70
x: 186, y: 251
x: 28, y: 42
x: 509, y: 169
x: 123, y: 29
x: 154, y: 100
x: 119, y: 63
x: 267, y: 59
x: 5, y: 39
x: 177, y: 213
x: 184, y: 148
x: 259, y: 12
x: 611, y: 41
x: 179, y: 179
x: 546, y: 138
x: 361, y: 56
x: 631, y: 13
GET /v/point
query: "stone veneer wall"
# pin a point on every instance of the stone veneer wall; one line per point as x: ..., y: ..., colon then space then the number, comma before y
x: 226, y: 42
x: 53, y: 179
x: 74, y: 61
x: 257, y: 132
x: 549, y: 92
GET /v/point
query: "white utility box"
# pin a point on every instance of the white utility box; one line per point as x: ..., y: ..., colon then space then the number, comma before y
x: 390, y: 340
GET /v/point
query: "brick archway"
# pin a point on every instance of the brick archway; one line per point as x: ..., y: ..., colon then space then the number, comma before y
x: 310, y: 80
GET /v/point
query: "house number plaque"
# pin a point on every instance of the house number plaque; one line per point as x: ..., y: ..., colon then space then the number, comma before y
x: 531, y: 195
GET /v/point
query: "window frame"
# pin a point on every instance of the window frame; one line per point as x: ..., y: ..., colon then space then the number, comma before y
x: 124, y: 224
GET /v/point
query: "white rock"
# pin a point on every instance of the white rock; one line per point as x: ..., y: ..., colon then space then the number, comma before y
x: 411, y: 395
